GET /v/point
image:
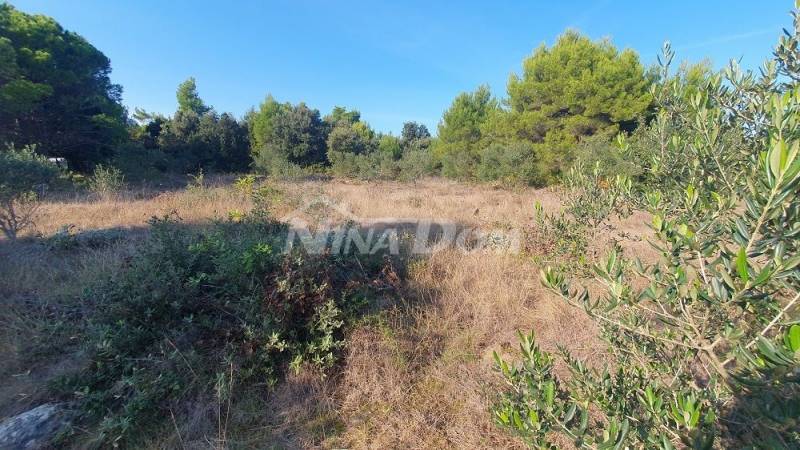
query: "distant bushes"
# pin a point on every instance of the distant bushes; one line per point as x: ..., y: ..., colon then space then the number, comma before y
x: 573, y: 90
x: 210, y: 141
x: 514, y: 163
x: 139, y: 163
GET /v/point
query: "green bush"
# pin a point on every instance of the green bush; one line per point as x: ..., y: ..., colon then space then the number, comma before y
x: 691, y: 124
x: 275, y: 166
x: 704, y: 344
x: 354, y: 165
x: 414, y: 165
x: 24, y: 175
x: 557, y: 239
x: 411, y: 165
x: 194, y: 304
x: 106, y: 181
x: 460, y: 165
x: 606, y: 154
x: 591, y: 198
x: 139, y: 163
x: 244, y: 184
x: 515, y: 163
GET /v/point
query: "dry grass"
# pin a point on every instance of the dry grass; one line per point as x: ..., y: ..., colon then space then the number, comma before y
x: 430, y: 384
x: 418, y: 375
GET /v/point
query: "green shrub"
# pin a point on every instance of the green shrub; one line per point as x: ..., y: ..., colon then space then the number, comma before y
x: 557, y: 239
x: 244, y: 184
x: 704, y: 344
x: 24, y: 175
x: 414, y: 165
x: 278, y: 167
x: 411, y: 165
x: 353, y: 165
x: 514, y: 163
x: 265, y: 198
x: 459, y: 165
x: 194, y: 304
x: 691, y: 124
x: 139, y: 163
x: 603, y: 152
x: 106, y: 181
x: 592, y: 198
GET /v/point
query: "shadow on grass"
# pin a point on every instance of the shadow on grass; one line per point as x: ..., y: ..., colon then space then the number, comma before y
x: 160, y: 313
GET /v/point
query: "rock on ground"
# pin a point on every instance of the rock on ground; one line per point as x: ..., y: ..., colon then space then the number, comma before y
x: 32, y: 429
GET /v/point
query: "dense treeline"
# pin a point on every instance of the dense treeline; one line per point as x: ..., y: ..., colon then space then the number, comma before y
x: 55, y: 92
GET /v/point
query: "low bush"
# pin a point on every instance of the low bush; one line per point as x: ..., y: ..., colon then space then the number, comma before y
x: 244, y: 185
x: 68, y: 238
x: 416, y: 164
x: 280, y: 168
x: 411, y: 165
x: 514, y: 164
x: 196, y: 305
x: 139, y: 163
x: 591, y: 198
x: 24, y: 176
x: 106, y: 181
x: 606, y: 154
x: 557, y: 239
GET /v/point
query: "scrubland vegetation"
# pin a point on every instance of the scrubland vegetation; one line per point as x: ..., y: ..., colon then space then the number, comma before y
x: 653, y: 303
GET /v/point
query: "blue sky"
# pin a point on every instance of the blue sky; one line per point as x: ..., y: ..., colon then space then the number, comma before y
x: 393, y: 61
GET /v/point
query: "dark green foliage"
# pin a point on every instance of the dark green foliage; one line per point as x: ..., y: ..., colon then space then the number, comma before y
x: 416, y: 164
x: 285, y: 134
x: 390, y: 145
x: 260, y: 124
x: 576, y: 88
x: 460, y: 132
x: 139, y: 162
x: 149, y: 128
x: 231, y: 139
x: 355, y: 151
x: 189, y: 99
x: 210, y: 141
x: 566, y: 93
x: 513, y: 164
x: 24, y: 170
x: 605, y: 154
x: 55, y: 91
x: 348, y: 138
x: 196, y: 303
x: 24, y: 175
x: 299, y: 135
x: 341, y: 115
x: 415, y: 136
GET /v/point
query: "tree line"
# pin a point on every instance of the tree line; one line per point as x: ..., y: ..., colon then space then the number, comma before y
x: 55, y: 93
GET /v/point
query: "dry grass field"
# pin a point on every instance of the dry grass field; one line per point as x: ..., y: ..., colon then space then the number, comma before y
x: 416, y: 375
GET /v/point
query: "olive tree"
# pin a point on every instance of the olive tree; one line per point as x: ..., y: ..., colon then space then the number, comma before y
x: 704, y: 343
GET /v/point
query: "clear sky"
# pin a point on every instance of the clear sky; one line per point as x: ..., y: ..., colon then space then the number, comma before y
x: 393, y: 61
